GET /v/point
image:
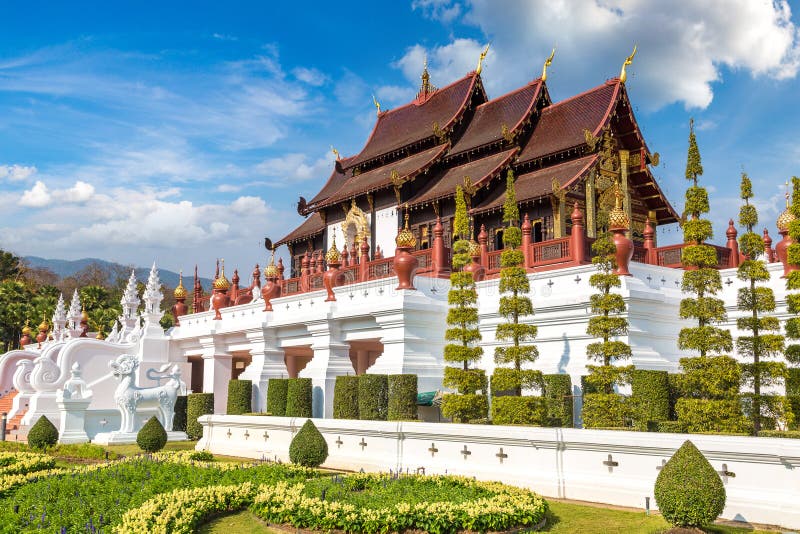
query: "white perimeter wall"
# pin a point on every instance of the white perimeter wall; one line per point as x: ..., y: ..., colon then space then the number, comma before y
x: 762, y: 486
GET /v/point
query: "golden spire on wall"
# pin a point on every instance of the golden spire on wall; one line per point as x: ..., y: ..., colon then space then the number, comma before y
x: 547, y: 63
x: 628, y: 61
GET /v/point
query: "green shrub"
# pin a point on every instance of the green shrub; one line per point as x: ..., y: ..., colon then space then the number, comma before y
x: 605, y: 410
x: 179, y: 419
x: 240, y: 397
x: 587, y: 386
x: 513, y: 410
x: 197, y: 404
x: 673, y: 427
x: 298, y: 397
x: 794, y: 406
x: 558, y: 400
x: 152, y: 437
x: 673, y: 381
x: 308, y: 447
x: 793, y: 382
x: 792, y: 434
x: 402, y: 397
x: 345, y: 397
x: 465, y: 408
x: 703, y: 415
x: 201, y: 456
x: 88, y: 451
x: 42, y: 434
x: 277, y: 389
x: 649, y: 396
x: 373, y: 397
x: 688, y: 491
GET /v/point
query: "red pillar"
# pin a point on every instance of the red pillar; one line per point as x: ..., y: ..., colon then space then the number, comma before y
x: 732, y: 244
x: 483, y: 241
x: 438, y: 254
x: 769, y: 255
x: 527, y: 230
x: 578, y: 236
x: 363, y: 262
x: 649, y: 243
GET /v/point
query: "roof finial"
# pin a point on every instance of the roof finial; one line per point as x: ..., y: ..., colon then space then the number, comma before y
x: 628, y: 61
x: 377, y: 105
x: 336, y: 152
x: 481, y: 58
x: 547, y: 63
x: 786, y: 194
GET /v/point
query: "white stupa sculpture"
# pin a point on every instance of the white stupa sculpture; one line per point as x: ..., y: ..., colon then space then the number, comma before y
x: 130, y: 305
x: 59, y: 319
x: 74, y: 316
x: 152, y: 297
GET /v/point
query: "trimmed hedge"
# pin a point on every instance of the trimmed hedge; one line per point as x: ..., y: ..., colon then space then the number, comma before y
x: 605, y: 410
x: 373, y: 397
x: 197, y: 404
x: 308, y: 447
x: 240, y: 397
x: 791, y: 434
x: 465, y: 408
x: 345, y: 397
x: 402, y: 397
x: 650, y: 396
x: 672, y: 427
x: 673, y: 381
x: 720, y: 415
x: 152, y: 437
x: 587, y: 387
x: 558, y: 400
x: 179, y: 418
x: 688, y: 490
x: 793, y: 395
x: 277, y: 388
x: 42, y: 434
x: 298, y: 397
x: 512, y: 410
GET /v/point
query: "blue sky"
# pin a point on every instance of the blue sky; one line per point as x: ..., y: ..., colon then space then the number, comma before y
x: 179, y: 133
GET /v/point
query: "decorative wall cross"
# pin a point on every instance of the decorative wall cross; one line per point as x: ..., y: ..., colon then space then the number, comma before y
x: 465, y: 452
x: 725, y: 474
x: 229, y: 433
x: 246, y: 434
x: 266, y: 436
x: 501, y: 455
x: 661, y: 466
x: 433, y: 450
x: 363, y: 444
x: 610, y: 463
x: 339, y: 442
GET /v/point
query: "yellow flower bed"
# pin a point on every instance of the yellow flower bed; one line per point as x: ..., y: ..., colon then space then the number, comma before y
x: 19, y: 463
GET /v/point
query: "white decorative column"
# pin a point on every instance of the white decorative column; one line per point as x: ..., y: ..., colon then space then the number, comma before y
x: 331, y: 359
x: 152, y: 305
x: 59, y: 319
x: 130, y: 305
x: 267, y: 362
x: 74, y: 316
x: 217, y: 370
x: 73, y: 400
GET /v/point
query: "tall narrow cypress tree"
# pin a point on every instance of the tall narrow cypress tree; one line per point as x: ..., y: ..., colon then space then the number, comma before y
x: 514, y: 304
x: 710, y: 384
x: 757, y: 300
x: 462, y: 332
x: 793, y: 303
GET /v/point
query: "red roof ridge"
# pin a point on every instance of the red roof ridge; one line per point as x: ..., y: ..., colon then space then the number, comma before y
x: 467, y: 97
x: 513, y: 91
x: 583, y: 94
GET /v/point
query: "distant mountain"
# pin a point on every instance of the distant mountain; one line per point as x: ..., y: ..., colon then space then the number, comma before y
x: 65, y: 268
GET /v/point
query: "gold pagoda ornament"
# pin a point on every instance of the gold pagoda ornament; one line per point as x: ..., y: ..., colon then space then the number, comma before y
x: 787, y: 217
x: 222, y: 283
x: 180, y: 291
x: 623, y: 75
x: 333, y: 255
x: 474, y: 248
x: 547, y: 63
x: 481, y: 58
x: 617, y: 218
x: 271, y: 270
x: 405, y: 239
x: 26, y: 330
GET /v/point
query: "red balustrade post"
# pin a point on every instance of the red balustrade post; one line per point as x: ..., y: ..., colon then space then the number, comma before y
x: 578, y: 236
x: 363, y: 262
x: 345, y: 257
x: 618, y: 224
x: 649, y: 243
x: 305, y: 272
x: 438, y: 253
x: 769, y: 255
x: 732, y: 244
x: 527, y: 230
x: 333, y: 275
x: 405, y: 264
x: 483, y: 241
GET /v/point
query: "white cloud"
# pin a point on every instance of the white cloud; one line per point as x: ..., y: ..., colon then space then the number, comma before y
x: 296, y: 166
x: 229, y: 188
x: 80, y: 192
x: 249, y: 205
x: 310, y: 76
x: 36, y: 197
x: 442, y: 10
x: 392, y: 95
x: 682, y: 45
x: 16, y: 173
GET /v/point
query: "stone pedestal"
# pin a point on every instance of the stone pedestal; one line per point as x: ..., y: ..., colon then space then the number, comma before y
x: 72, y: 429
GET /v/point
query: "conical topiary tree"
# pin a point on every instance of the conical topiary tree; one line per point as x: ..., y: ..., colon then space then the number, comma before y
x: 793, y: 300
x: 308, y: 447
x: 462, y: 332
x: 688, y: 491
x: 758, y: 300
x: 710, y: 383
x: 42, y: 434
x: 152, y: 437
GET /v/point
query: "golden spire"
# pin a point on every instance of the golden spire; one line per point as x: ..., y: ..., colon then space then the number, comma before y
x: 377, y: 105
x: 547, y: 63
x: 336, y: 152
x: 44, y: 326
x: 271, y: 271
x: 333, y: 255
x: 221, y: 282
x: 481, y: 58
x: 785, y: 218
x: 617, y: 218
x: 180, y: 291
x: 786, y: 194
x: 26, y: 330
x: 426, y: 78
x: 628, y: 61
x: 405, y: 239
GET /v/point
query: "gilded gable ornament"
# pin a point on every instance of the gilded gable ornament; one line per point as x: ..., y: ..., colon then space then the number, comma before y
x: 469, y: 188
x: 558, y: 192
x: 609, y: 154
x: 507, y: 134
x: 591, y: 140
x: 438, y: 133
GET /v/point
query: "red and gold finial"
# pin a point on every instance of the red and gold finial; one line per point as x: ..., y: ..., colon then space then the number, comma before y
x: 785, y: 218
x: 617, y: 218
x: 405, y: 239
x: 333, y: 255
x: 221, y: 282
x: 180, y: 291
x: 271, y: 270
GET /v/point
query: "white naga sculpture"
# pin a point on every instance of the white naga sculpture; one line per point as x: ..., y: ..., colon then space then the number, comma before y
x: 129, y: 397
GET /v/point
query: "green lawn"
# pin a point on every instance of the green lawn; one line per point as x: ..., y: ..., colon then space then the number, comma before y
x: 564, y: 518
x: 133, y: 449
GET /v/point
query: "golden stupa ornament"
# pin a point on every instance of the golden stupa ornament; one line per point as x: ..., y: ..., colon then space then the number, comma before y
x: 221, y: 282
x: 481, y: 58
x: 617, y: 219
x: 787, y: 217
x: 333, y: 255
x: 405, y: 239
x: 271, y: 270
x: 628, y: 61
x: 43, y: 327
x: 26, y: 330
x: 180, y: 291
x: 547, y: 63
x: 474, y: 248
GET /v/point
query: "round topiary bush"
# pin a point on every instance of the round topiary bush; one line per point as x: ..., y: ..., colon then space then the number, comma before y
x: 196, y: 405
x: 179, y: 418
x: 402, y: 398
x: 298, y: 397
x: 276, y: 396
x: 688, y: 491
x: 308, y: 447
x: 373, y: 397
x: 345, y: 397
x: 152, y: 437
x: 43, y: 434
x: 240, y: 397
